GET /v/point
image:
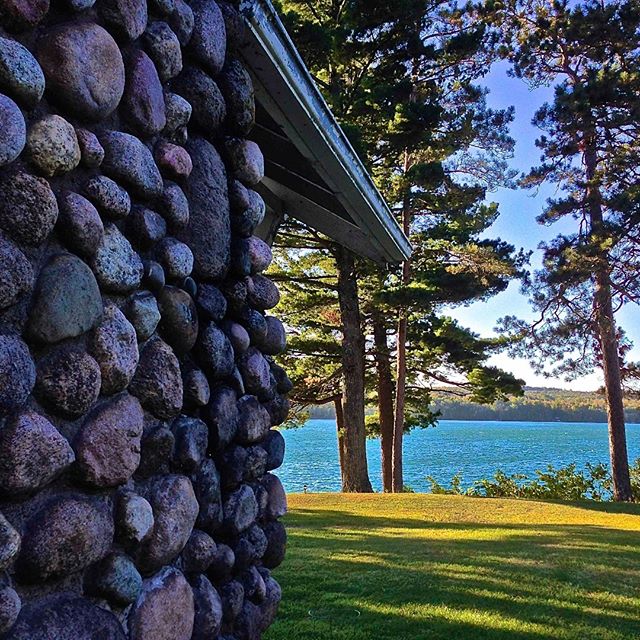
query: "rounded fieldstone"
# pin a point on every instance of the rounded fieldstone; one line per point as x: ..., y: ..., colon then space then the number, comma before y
x: 240, y: 510
x: 17, y: 373
x: 79, y: 223
x: 222, y: 417
x: 128, y: 160
x: 232, y: 594
x: 236, y: 382
x: 143, y: 100
x: 9, y: 543
x: 164, y: 7
x: 196, y: 388
x: 109, y: 197
x: 272, y: 598
x: 235, y: 25
x: 222, y: 564
x: 65, y: 617
x: 246, y: 159
x: 181, y: 21
x: 275, y: 342
x: 28, y: 208
x: 198, y: 553
x: 256, y: 464
x: 164, y: 48
x: 175, y: 510
x: 157, y: 451
x: 235, y: 292
x: 284, y: 384
x: 179, y: 319
x: 174, y: 206
x: 114, y: 346
x: 248, y: 209
x: 277, y: 502
x: 154, y: 276
x: 276, y: 544
x: 12, y: 131
x: 91, y: 151
x: 253, y: 421
x: 33, y: 453
x: 253, y: 584
x: 117, y: 266
x: 52, y: 146
x: 191, y: 438
x: 206, y: 483
x: 208, y: 609
x: 190, y: 286
x: 164, y: 610
x: 173, y: 160
x: 127, y: 17
x: 208, y: 43
x: 10, y: 605
x: 18, y: 15
x: 16, y: 274
x: 211, y: 302
x: 201, y: 91
x: 274, y: 445
x: 64, y: 536
x: 255, y: 323
x: 69, y: 381
x: 176, y: 258
x: 255, y: 372
x: 178, y: 112
x: 158, y: 382
x: 143, y: 313
x: 115, y: 579
x: 237, y: 89
x: 134, y: 518
x: 260, y: 254
x: 83, y: 68
x: 147, y: 227
x: 215, y: 352
x: 262, y: 292
x: 278, y: 409
x: 67, y: 302
x: 238, y: 335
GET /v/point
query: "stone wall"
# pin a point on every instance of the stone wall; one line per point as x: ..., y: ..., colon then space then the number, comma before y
x: 137, y: 386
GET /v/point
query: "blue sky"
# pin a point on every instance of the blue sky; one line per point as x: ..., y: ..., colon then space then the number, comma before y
x: 517, y: 224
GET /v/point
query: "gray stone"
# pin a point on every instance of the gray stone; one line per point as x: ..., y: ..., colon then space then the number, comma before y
x: 12, y: 131
x: 208, y: 609
x: 275, y: 342
x: 115, y: 579
x: 181, y: 21
x: 175, y: 510
x: 83, y: 68
x: 18, y: 15
x: 209, y: 107
x: 164, y: 610
x: 80, y: 5
x: 256, y: 463
x: 191, y: 438
x: 276, y: 544
x: 253, y: 421
x: 91, y: 151
x: 158, y: 381
x: 178, y: 111
x: 28, y: 208
x: 215, y: 352
x: 174, y: 206
x: 232, y: 464
x: 67, y: 301
x: 211, y: 302
x: 128, y: 160
x: 278, y: 409
x: 143, y: 100
x: 164, y: 7
x: 176, y: 258
x: 16, y: 274
x: 17, y: 373
x: 277, y: 502
x: 179, y: 319
x: 127, y: 17
x: 9, y: 543
x: 52, y: 146
x: 208, y: 43
x: 109, y: 197
x: 237, y: 89
x: 254, y: 586
x: 9, y: 608
x: 20, y: 74
x: 154, y: 276
x: 255, y: 372
x: 196, y: 388
x: 117, y: 266
x: 284, y: 384
x: 262, y: 292
x: 143, y: 313
x: 65, y: 617
x: 254, y: 322
x: 238, y: 335
x: 173, y: 160
x: 235, y: 25
x: 134, y: 518
x: 164, y: 48
x: 114, y: 346
x: 198, y: 553
x: 79, y: 223
x: 157, y: 451
x: 222, y: 416
x: 246, y: 159
x: 232, y: 594
x: 222, y: 565
x: 260, y: 254
x: 69, y: 381
x: 269, y: 607
x: 147, y: 227
x: 208, y: 492
x: 64, y: 536
x: 208, y: 232
x: 248, y: 209
x: 274, y: 445
x: 240, y: 510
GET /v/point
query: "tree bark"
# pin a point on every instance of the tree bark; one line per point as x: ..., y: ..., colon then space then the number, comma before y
x: 385, y: 397
x: 340, y: 432
x: 355, y: 477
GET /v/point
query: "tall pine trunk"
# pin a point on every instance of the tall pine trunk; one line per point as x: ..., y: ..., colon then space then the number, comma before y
x: 385, y: 397
x: 340, y: 433
x: 608, y: 338
x: 355, y: 475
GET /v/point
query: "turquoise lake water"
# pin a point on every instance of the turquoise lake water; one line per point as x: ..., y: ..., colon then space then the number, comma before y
x: 476, y: 449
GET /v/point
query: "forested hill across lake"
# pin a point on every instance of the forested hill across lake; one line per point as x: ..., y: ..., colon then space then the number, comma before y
x: 537, y: 405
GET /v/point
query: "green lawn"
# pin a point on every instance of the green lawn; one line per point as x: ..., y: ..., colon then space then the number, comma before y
x: 413, y: 567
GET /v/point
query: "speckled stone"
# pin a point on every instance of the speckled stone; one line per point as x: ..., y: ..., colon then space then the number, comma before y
x: 79, y: 223
x: 127, y: 17
x: 246, y: 159
x: 255, y: 371
x: 211, y: 302
x: 174, y: 161
x: 128, y: 160
x: 178, y: 111
x: 182, y: 21
x: 52, y: 146
x: 28, y: 208
x: 196, y: 388
x: 191, y: 437
x: 9, y: 543
x: 174, y: 206
x: 10, y: 605
x: 208, y: 492
x: 222, y: 417
x: 115, y: 579
x: 83, y: 68
x: 179, y: 319
x: 69, y: 381
x: 208, y: 42
x: 134, y: 518
x: 143, y: 313
x: 240, y: 510
x: 113, y: 344
x: 275, y: 341
x: 157, y: 451
x: 67, y: 301
x: 33, y: 454
x: 91, y: 151
x: 201, y: 91
x: 260, y: 254
x: 208, y: 609
x: 198, y: 553
x: 176, y: 258
x: 20, y: 74
x: 17, y: 373
x: 248, y: 209
x: 117, y: 266
x: 158, y: 382
x: 164, y: 7
x: 253, y: 421
x: 164, y: 48
x: 147, y: 227
x: 215, y: 351
x: 16, y: 274
x: 277, y: 502
x: 143, y: 100
x: 235, y: 25
x: 154, y: 277
x: 274, y: 445
x: 238, y: 336
x: 107, y: 445
x: 237, y: 89
x: 18, y: 15
x: 109, y: 197
x: 12, y: 131
x: 262, y: 292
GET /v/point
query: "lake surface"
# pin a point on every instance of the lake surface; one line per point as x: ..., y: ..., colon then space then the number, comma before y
x: 476, y: 449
